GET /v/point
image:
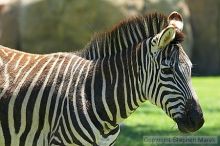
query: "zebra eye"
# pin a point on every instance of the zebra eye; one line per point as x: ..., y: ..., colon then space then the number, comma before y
x: 167, y: 70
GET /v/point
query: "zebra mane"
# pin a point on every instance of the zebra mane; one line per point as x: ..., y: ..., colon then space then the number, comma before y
x: 139, y: 28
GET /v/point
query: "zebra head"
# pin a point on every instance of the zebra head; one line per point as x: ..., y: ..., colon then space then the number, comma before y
x: 168, y: 77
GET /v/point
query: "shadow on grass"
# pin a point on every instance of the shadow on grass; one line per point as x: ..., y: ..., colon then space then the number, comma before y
x: 133, y: 135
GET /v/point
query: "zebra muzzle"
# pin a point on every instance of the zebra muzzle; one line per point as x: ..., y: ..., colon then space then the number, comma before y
x: 193, y: 118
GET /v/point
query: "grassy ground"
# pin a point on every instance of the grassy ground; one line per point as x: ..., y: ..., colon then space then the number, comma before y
x: 149, y: 120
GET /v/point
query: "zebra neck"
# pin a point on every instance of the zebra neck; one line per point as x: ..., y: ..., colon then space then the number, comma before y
x: 115, y: 87
x: 116, y: 55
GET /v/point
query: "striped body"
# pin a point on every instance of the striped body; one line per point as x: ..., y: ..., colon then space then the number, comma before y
x: 39, y: 103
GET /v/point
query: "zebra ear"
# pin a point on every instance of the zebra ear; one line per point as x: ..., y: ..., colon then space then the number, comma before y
x: 176, y: 20
x: 166, y: 36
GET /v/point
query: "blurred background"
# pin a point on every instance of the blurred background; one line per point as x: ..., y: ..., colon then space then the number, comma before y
x: 45, y: 26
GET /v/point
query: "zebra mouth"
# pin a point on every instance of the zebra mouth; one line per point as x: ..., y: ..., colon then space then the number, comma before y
x: 185, y: 128
x: 189, y: 123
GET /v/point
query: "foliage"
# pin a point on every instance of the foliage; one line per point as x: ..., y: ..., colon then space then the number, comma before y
x: 149, y: 120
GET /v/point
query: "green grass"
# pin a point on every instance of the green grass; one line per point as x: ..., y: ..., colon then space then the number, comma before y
x: 150, y: 120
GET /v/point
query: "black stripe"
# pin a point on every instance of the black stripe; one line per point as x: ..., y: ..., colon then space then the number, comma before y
x: 4, y: 118
x: 67, y: 123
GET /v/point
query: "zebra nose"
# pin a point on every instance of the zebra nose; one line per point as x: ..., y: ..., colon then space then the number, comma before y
x: 194, y: 115
x: 195, y: 120
x: 191, y: 122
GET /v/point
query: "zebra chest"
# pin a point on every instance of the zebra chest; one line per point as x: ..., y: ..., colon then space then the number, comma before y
x: 107, y: 141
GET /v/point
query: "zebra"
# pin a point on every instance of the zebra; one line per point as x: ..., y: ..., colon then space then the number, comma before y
x: 81, y: 98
